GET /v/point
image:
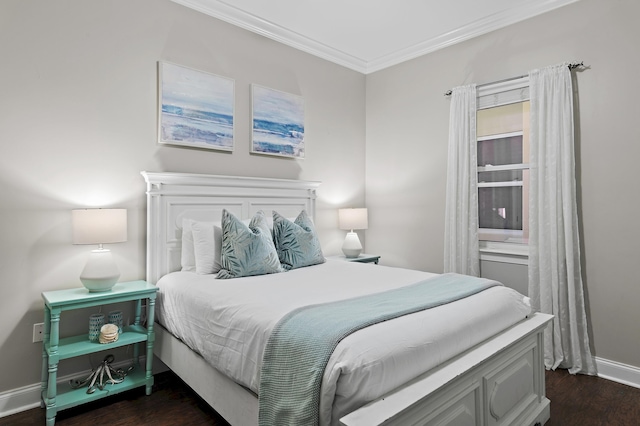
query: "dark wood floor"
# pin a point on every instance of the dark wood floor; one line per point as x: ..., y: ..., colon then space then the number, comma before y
x: 591, y: 401
x: 575, y: 400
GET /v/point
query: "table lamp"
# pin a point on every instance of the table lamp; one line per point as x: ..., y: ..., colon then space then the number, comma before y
x: 350, y: 219
x: 99, y: 226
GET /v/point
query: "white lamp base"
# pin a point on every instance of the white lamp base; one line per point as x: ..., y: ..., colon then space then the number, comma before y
x: 352, y: 247
x: 101, y: 272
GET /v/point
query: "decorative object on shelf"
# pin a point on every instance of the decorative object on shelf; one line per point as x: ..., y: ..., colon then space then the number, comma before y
x: 115, y: 317
x: 99, y: 226
x: 96, y: 321
x: 351, y: 219
x: 195, y: 108
x: 278, y: 123
x: 108, y: 333
x: 101, y: 376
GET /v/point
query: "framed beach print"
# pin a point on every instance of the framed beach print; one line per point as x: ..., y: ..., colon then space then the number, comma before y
x: 278, y: 123
x: 195, y: 108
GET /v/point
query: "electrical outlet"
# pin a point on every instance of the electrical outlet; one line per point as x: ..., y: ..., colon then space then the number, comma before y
x: 38, y: 331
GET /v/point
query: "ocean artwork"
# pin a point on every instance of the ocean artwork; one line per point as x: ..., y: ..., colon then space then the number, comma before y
x: 196, y: 108
x: 278, y: 123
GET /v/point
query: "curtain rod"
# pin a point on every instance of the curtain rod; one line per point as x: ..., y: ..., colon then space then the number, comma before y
x: 571, y: 66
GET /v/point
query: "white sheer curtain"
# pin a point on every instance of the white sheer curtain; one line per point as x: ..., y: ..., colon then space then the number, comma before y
x: 555, y: 279
x: 461, y: 212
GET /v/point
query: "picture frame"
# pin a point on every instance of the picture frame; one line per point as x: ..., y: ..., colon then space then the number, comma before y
x: 277, y: 123
x: 195, y: 108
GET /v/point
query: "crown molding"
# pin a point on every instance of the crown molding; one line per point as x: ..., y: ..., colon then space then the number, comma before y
x: 247, y: 21
x: 474, y: 29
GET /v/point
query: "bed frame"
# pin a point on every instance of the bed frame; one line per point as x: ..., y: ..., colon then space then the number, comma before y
x: 498, y: 382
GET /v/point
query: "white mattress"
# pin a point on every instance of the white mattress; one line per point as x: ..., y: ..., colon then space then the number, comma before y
x: 228, y: 322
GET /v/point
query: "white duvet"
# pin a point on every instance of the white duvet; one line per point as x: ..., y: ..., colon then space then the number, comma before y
x: 228, y: 322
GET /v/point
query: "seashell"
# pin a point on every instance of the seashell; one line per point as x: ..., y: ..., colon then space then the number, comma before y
x: 108, y: 333
x: 103, y: 339
x: 109, y: 329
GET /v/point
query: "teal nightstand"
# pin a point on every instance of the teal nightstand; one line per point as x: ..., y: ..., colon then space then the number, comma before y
x: 55, y: 348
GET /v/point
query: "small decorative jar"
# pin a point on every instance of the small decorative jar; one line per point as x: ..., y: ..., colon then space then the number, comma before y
x: 115, y: 317
x: 96, y: 321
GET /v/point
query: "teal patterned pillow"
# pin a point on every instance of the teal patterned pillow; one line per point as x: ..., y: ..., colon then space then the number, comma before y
x: 247, y: 250
x: 296, y: 242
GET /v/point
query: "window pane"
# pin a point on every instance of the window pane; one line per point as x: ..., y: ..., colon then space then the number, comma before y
x: 500, y: 151
x: 500, y: 176
x: 501, y: 119
x: 500, y: 207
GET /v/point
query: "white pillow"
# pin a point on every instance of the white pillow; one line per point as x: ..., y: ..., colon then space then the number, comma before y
x: 201, y: 246
x: 187, y: 256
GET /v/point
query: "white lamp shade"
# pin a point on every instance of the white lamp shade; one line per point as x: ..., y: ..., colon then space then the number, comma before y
x: 99, y: 226
x: 350, y: 219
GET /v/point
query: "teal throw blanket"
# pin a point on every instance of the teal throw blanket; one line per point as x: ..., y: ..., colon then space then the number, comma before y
x: 301, y: 343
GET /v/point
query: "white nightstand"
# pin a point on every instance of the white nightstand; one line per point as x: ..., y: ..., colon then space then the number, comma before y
x: 363, y: 258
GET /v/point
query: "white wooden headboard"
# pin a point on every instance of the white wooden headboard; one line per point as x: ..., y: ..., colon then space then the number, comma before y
x: 172, y: 197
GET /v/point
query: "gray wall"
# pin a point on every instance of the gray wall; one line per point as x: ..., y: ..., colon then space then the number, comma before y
x: 407, y: 128
x: 78, y: 122
x: 513, y: 274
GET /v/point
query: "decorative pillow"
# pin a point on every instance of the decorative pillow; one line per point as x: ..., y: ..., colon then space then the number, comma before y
x: 246, y: 250
x: 269, y: 222
x: 296, y: 242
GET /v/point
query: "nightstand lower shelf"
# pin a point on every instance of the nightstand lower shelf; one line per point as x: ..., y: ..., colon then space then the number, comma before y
x: 68, y: 397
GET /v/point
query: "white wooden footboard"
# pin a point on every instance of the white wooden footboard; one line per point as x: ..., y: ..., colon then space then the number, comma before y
x: 499, y: 382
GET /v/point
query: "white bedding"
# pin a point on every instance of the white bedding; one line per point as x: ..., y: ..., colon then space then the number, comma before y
x: 228, y: 322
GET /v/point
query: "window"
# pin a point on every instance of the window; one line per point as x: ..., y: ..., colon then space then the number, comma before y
x: 503, y: 173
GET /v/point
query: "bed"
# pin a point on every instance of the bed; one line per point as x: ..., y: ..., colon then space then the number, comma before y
x: 498, y: 378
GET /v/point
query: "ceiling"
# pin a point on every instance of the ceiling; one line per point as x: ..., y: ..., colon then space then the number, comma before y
x: 369, y: 35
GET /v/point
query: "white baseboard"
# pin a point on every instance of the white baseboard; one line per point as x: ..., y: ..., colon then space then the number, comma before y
x: 18, y: 400
x: 28, y: 397
x: 618, y: 372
